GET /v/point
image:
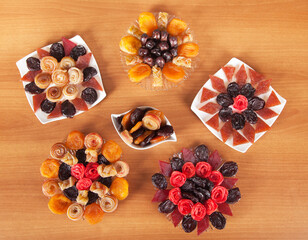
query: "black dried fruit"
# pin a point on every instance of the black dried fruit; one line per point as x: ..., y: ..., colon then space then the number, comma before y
x: 136, y: 116
x: 224, y: 100
x: 48, y: 106
x: 138, y: 132
x: 247, y: 90
x: 200, y: 196
x: 102, y: 160
x: 200, y: 182
x: 177, y: 164
x: 233, y: 89
x: 89, y: 95
x: 68, y: 109
x: 33, y: 89
x: 209, y: 185
x: 218, y: 220
x: 33, y: 64
x: 160, y: 62
x: 238, y: 121
x: 173, y: 41
x: 163, y: 46
x: 81, y: 156
x: 144, y: 38
x: 64, y: 171
x: 156, y: 34
x: 256, y: 103
x: 142, y: 52
x: 92, y: 197
x: 189, y: 224
x: 156, y: 52
x: 149, y: 60
x: 118, y: 123
x: 71, y: 193
x: 167, y: 56
x: 147, y: 140
x: 206, y: 193
x: 229, y: 169
x: 225, y: 114
x: 202, y: 153
x: 234, y: 195
x: 106, y: 181
x: 174, y: 52
x: 164, y: 36
x: 88, y: 73
x: 188, y: 186
x: 159, y: 181
x: 165, y: 131
x: 250, y: 116
x: 78, y: 51
x: 57, y: 51
x: 150, y: 44
x: 190, y: 196
x: 166, y: 207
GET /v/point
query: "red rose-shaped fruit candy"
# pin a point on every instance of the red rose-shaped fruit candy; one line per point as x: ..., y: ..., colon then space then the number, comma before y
x: 78, y: 170
x: 84, y: 184
x: 240, y: 103
x: 216, y: 177
x: 91, y: 171
x: 185, y: 206
x: 175, y: 195
x: 203, y: 169
x: 198, y: 211
x: 219, y: 194
x: 177, y: 179
x: 189, y: 169
x: 210, y: 206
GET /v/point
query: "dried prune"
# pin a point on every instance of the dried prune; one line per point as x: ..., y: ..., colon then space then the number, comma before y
x: 225, y: 114
x: 234, y: 195
x: 202, y: 153
x: 233, y: 89
x: 190, y: 196
x: 174, y: 52
x: 200, y: 196
x: 92, y: 197
x: 256, y: 103
x: 167, y: 56
x: 188, y: 186
x: 177, y: 164
x: 209, y: 185
x: 147, y: 140
x: 138, y: 132
x: 89, y: 95
x: 57, y: 51
x: 218, y: 220
x: 163, y: 46
x: 33, y: 64
x: 88, y: 73
x: 189, y: 224
x: 68, y: 109
x: 144, y: 38
x: 64, y: 171
x: 173, y: 41
x: 229, y: 169
x: 224, y: 100
x: 200, y: 182
x: 159, y: 181
x: 150, y: 44
x: 71, y: 193
x: 118, y: 123
x: 165, y: 131
x: 156, y: 52
x: 164, y: 36
x: 48, y: 106
x: 238, y: 121
x: 166, y: 207
x: 33, y: 89
x: 156, y: 34
x: 102, y: 160
x: 81, y: 156
x: 77, y: 51
x: 106, y: 181
x: 142, y: 52
x: 250, y: 116
x: 136, y: 116
x: 160, y: 62
x: 149, y: 60
x: 247, y: 90
x: 206, y: 193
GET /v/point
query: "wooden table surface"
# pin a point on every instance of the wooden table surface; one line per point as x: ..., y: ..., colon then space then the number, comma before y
x: 269, y: 35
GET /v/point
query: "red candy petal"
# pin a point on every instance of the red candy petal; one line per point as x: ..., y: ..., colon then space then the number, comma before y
x: 160, y: 195
x: 198, y: 211
x: 267, y: 113
x: 229, y: 71
x: 68, y: 46
x: 188, y: 155
x: 78, y: 171
x: 37, y: 100
x: 263, y: 87
x: 210, y: 108
x: 228, y: 183
x: 224, y: 208
x: 238, y: 139
x: 93, y: 83
x: 207, y: 94
x: 176, y: 217
x: 214, y: 160
x: 218, y: 84
x: 249, y: 132
x: 203, y: 225
x: 189, y: 169
x: 211, y: 206
x: 214, y: 122
x: 185, y: 206
x: 226, y: 131
x: 83, y: 61
x: 261, y: 126
x: 272, y: 100
x: 165, y: 168
x: 80, y: 104
x: 56, y: 112
x: 42, y: 53
x: 241, y: 76
x: 255, y: 77
x: 29, y: 76
x: 216, y: 177
x: 84, y: 184
x: 203, y: 169
x: 175, y: 195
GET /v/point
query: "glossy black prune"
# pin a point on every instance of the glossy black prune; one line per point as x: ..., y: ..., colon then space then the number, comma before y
x: 156, y: 34
x: 247, y: 90
x: 233, y: 89
x: 68, y: 109
x: 190, y: 196
x: 118, y: 123
x: 136, y: 116
x: 234, y: 195
x: 189, y: 224
x: 33, y: 64
x: 144, y: 38
x: 229, y: 169
x: 200, y: 182
x: 147, y: 140
x: 206, y: 193
x: 89, y: 95
x: 177, y: 164
x: 78, y: 51
x: 202, y: 153
x: 92, y: 197
x: 218, y: 220
x: 224, y: 100
x: 48, y: 106
x: 200, y: 196
x: 165, y: 131
x: 81, y: 156
x: 64, y: 171
x: 209, y: 185
x: 225, y: 114
x: 33, y: 89
x: 156, y: 52
x: 142, y: 52
x: 238, y: 121
x: 166, y: 207
x: 256, y: 103
x: 57, y: 51
x: 250, y: 116
x: 164, y: 36
x: 71, y: 193
x: 159, y: 181
x: 150, y: 44
x: 188, y: 186
x: 102, y: 160
x: 106, y: 181
x: 167, y: 56
x: 88, y: 73
x: 138, y: 132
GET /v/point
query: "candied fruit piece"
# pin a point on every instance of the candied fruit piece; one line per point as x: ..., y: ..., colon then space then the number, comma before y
x: 165, y: 168
x: 229, y: 71
x: 228, y: 183
x: 80, y: 104
x: 207, y: 94
x: 224, y: 208
x: 56, y: 111
x: 111, y: 151
x: 68, y: 46
x: 29, y: 76
x: 214, y: 122
x: 173, y: 72
x: 189, y: 155
x: 176, y: 217
x: 93, y: 213
x: 241, y: 75
x: 214, y: 160
x: 75, y: 140
x: 83, y: 61
x: 142, y: 137
x: 119, y: 188
x: 160, y: 196
x: 238, y: 139
x: 58, y: 204
x: 130, y: 44
x: 188, y: 50
x: 133, y: 59
x: 261, y: 126
x: 50, y: 168
x: 147, y: 22
x: 139, y: 72
x: 37, y: 100
x: 218, y: 84
x: 203, y: 225
x: 157, y: 77
x: 42, y: 53
x: 263, y: 87
x: 249, y: 132
x: 210, y: 108
x: 158, y: 139
x: 272, y: 100
x: 125, y: 122
x: 226, y: 131
x: 267, y: 113
x: 176, y: 27
x: 255, y: 77
x: 182, y: 61
x: 92, y: 83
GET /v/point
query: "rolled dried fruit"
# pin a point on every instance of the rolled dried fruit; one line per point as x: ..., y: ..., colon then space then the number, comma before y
x: 54, y: 94
x: 75, y: 75
x: 127, y: 137
x: 122, y: 168
x: 70, y: 91
x: 60, y: 77
x: 50, y: 188
x: 42, y: 80
x: 151, y: 121
x: 109, y: 203
x: 58, y: 151
x: 75, y: 212
x: 49, y: 64
x: 67, y: 63
x: 93, y: 141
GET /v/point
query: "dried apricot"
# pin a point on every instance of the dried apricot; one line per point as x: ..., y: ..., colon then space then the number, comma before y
x: 50, y: 168
x: 75, y: 140
x: 176, y: 27
x: 126, y: 123
x: 147, y: 22
x: 130, y: 44
x: 139, y: 72
x: 111, y: 151
x: 173, y: 72
x: 119, y: 188
x: 188, y: 50
x: 93, y: 213
x: 58, y: 204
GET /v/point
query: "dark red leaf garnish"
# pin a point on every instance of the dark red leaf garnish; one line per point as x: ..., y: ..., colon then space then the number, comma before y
x: 224, y: 208
x: 56, y: 112
x: 83, y: 61
x: 160, y: 195
x: 68, y: 46
x: 214, y: 160
x: 203, y: 225
x: 176, y: 217
x: 93, y: 83
x: 188, y: 155
x: 80, y: 104
x: 42, y: 53
x: 165, y: 168
x: 228, y: 183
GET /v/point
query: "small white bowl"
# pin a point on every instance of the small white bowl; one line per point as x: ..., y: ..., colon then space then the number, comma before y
x: 172, y: 138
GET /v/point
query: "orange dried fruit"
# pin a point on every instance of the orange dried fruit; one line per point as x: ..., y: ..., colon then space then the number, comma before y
x: 176, y: 27
x: 111, y: 151
x: 136, y: 127
x: 50, y: 168
x: 173, y: 72
x: 119, y: 188
x: 75, y: 140
x: 188, y: 50
x: 139, y: 72
x: 126, y: 123
x: 93, y: 213
x: 58, y: 204
x: 147, y: 22
x: 130, y: 44
x: 139, y: 139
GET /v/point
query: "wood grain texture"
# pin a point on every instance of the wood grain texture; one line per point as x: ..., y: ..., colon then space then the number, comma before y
x: 269, y: 35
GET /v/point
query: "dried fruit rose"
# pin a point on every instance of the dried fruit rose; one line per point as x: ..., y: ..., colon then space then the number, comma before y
x: 211, y: 206
x: 175, y: 195
x: 219, y: 194
x: 198, y: 211
x: 185, y: 206
x: 189, y: 169
x: 91, y: 171
x: 84, y: 184
x: 78, y: 170
x: 216, y: 177
x: 203, y: 169
x: 177, y: 179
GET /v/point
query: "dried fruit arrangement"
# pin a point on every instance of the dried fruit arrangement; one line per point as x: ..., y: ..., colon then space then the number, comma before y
x: 161, y: 45
x: 85, y: 177
x: 195, y: 189
x: 143, y: 127
x: 61, y: 80
x: 238, y: 105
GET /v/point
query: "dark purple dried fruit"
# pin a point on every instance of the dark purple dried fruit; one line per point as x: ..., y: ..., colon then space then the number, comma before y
x: 200, y: 182
x: 209, y: 185
x: 165, y: 131
x: 136, y: 116
x: 33, y: 64
x: 224, y: 100
x: 202, y: 153
x: 218, y: 220
x: 206, y: 193
x: 150, y: 44
x: 188, y: 186
x: 147, y: 140
x: 142, y: 52
x: 163, y: 46
x: 164, y: 36
x: 33, y: 89
x: 68, y: 109
x: 64, y: 171
x: 118, y: 123
x: 233, y: 89
x: 174, y: 52
x: 200, y: 196
x: 159, y: 181
x: 81, y: 156
x: 88, y: 73
x: 138, y: 132
x: 57, y: 51
x: 189, y: 224
x: 102, y: 160
x: 173, y: 41
x: 167, y: 56
x: 250, y: 116
x: 149, y: 60
x: 256, y: 103
x: 78, y: 51
x: 156, y: 52
x: 106, y: 181
x: 48, y: 106
x: 238, y: 121
x: 144, y: 38
x: 166, y: 207
x: 160, y: 62
x: 234, y: 195
x: 156, y: 34
x: 229, y: 169
x: 71, y: 193
x: 247, y: 90
x: 89, y: 95
x: 225, y: 114
x: 177, y: 164
x: 92, y: 197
